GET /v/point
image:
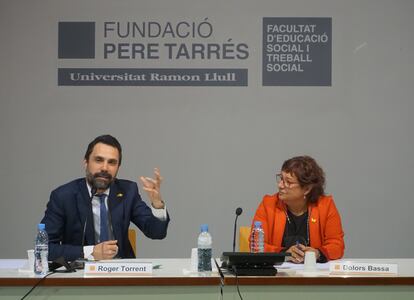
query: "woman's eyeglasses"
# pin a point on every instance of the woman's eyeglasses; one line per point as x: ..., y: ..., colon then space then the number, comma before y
x: 287, y: 184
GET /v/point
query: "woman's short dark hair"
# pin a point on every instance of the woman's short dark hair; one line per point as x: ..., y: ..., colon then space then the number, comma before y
x: 308, y: 173
x: 107, y: 140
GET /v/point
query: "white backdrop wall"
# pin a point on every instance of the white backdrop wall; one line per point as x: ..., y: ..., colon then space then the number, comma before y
x: 217, y: 147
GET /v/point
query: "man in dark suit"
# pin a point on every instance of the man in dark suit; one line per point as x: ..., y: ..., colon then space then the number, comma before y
x: 89, y: 217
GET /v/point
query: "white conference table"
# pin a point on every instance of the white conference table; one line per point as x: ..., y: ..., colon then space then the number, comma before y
x: 173, y: 281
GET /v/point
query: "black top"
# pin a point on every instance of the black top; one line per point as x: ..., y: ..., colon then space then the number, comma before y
x: 296, y: 231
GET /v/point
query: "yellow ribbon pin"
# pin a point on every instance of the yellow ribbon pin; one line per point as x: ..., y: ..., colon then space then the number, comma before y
x: 313, y: 220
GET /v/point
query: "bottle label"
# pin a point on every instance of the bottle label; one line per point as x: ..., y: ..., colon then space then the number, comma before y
x: 41, y: 265
x: 257, y: 241
x: 204, y: 259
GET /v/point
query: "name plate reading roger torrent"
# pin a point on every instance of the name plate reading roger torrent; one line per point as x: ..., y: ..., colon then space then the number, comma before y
x: 362, y: 268
x: 118, y: 268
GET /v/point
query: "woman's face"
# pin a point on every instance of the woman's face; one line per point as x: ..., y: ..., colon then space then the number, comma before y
x: 290, y: 191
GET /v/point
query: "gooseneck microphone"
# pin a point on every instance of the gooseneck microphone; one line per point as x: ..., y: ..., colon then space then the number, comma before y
x: 93, y: 193
x: 239, y: 211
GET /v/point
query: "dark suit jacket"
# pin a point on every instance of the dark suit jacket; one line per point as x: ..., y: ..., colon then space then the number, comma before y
x: 70, y: 208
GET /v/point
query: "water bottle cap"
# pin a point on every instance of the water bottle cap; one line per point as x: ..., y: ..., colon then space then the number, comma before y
x: 41, y: 226
x: 257, y: 224
x: 204, y: 228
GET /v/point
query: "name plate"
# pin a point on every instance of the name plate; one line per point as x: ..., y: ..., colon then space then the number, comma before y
x: 117, y: 268
x: 361, y: 268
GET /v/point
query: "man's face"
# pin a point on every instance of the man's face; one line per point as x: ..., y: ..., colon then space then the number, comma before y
x: 102, y: 166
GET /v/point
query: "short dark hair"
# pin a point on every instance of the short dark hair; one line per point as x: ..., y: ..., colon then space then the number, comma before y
x: 107, y: 140
x: 308, y: 173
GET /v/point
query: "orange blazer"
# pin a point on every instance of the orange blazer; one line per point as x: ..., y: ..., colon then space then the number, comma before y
x: 325, y: 228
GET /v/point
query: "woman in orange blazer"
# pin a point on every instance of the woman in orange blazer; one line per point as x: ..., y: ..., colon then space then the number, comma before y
x: 300, y: 217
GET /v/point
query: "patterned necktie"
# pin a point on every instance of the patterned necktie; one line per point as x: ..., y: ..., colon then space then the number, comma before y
x: 104, y: 235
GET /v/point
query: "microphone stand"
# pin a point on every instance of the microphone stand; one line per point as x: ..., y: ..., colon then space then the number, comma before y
x: 239, y: 211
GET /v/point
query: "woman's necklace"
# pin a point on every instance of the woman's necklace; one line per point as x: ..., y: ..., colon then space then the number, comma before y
x: 307, y: 225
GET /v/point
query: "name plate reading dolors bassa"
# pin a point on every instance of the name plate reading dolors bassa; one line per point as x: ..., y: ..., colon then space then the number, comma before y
x: 118, y: 268
x: 362, y: 268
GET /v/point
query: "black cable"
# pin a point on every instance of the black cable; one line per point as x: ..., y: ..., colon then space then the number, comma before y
x: 221, y: 279
x: 221, y: 289
x: 37, y: 283
x: 237, y: 281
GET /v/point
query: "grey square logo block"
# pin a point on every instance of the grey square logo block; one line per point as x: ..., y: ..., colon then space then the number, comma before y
x: 76, y: 40
x: 297, y: 51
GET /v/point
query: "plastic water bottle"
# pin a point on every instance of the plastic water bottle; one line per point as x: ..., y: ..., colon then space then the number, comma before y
x: 41, y: 251
x: 204, y: 244
x: 257, y: 238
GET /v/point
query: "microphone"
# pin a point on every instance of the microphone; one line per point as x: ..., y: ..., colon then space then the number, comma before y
x: 61, y: 262
x: 93, y: 193
x: 79, y: 263
x: 239, y: 211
